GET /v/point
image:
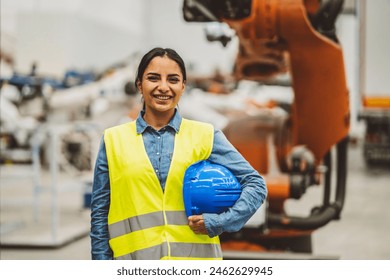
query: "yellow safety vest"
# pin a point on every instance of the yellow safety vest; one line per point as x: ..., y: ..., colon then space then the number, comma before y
x: 145, y: 222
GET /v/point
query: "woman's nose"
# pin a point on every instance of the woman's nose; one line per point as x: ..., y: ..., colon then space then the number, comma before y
x: 163, y: 86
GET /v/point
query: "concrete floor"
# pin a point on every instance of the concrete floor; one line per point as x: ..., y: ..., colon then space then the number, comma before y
x: 362, y: 232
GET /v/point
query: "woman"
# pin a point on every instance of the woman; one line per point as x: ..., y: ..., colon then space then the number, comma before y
x: 137, y: 203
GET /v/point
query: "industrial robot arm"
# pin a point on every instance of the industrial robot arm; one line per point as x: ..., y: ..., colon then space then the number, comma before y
x: 296, y: 37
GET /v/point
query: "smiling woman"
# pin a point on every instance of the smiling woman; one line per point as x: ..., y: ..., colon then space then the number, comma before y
x: 161, y: 84
x: 137, y: 207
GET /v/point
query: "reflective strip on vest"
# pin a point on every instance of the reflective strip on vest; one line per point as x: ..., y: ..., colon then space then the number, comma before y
x: 178, y: 251
x: 145, y: 222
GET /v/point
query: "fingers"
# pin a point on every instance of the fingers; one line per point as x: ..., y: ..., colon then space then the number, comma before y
x: 195, y: 219
x: 197, y: 225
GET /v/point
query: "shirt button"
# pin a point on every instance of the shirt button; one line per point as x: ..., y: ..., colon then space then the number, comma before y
x: 158, y: 153
x: 156, y: 170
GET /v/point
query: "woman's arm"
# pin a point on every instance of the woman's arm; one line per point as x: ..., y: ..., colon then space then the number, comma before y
x: 100, y: 203
x: 254, y: 191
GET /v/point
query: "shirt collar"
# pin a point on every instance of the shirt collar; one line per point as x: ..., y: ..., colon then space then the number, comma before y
x: 174, y: 123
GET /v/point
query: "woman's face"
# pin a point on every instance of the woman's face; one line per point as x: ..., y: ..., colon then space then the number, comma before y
x: 162, y: 85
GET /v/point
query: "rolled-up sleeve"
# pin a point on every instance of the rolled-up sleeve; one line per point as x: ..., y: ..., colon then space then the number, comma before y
x: 100, y: 204
x: 254, y: 191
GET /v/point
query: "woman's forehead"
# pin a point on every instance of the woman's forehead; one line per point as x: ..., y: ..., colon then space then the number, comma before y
x: 163, y: 64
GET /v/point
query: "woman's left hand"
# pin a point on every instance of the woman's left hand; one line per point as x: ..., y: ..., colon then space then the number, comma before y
x: 196, y: 223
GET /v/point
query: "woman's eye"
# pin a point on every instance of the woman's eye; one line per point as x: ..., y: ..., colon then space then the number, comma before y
x: 174, y: 80
x: 152, y: 78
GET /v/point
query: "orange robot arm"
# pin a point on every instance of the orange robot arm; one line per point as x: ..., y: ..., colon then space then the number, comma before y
x: 294, y: 36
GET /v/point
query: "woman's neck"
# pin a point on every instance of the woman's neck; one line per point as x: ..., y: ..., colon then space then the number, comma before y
x: 158, y: 119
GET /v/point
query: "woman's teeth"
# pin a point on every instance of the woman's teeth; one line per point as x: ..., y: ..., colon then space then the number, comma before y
x: 162, y: 97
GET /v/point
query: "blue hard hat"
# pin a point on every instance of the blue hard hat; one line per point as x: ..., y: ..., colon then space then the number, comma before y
x: 209, y: 188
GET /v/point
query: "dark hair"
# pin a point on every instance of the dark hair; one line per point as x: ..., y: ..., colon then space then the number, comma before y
x: 159, y: 52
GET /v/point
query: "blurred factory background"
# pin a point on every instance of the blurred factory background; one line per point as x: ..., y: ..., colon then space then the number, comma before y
x: 67, y: 73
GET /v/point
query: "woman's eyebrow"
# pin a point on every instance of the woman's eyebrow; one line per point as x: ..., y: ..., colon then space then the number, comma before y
x: 153, y: 74
x: 157, y: 74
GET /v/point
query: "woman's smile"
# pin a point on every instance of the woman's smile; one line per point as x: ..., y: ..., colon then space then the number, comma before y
x: 162, y: 96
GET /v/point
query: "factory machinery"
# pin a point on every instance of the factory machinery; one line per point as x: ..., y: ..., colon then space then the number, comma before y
x: 309, y: 146
x: 50, y: 130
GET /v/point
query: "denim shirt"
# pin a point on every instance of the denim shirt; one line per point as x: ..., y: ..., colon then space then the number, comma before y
x: 159, y: 147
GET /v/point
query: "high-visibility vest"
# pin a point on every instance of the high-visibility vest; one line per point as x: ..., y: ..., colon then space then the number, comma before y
x: 145, y: 222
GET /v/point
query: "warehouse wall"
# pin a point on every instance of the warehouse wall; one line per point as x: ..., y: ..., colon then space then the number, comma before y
x: 61, y: 40
x: 59, y: 35
x: 95, y: 33
x: 376, y: 46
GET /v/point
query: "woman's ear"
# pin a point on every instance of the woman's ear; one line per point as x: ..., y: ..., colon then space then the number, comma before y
x: 184, y: 86
x: 139, y: 86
